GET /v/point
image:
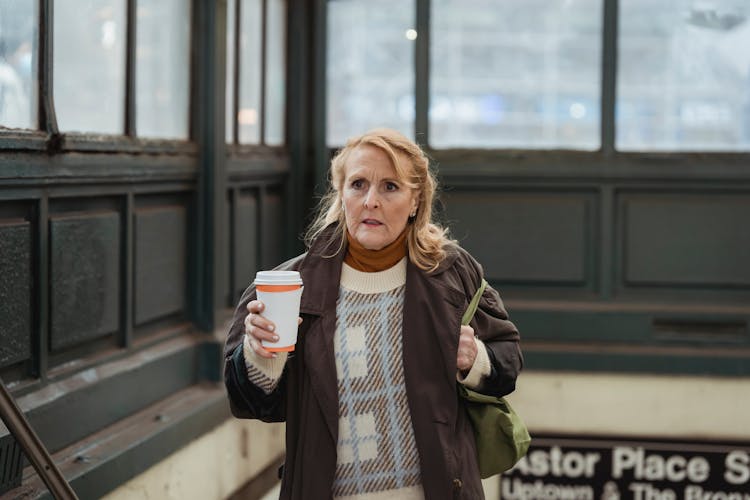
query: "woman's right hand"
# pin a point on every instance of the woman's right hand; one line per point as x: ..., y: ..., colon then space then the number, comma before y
x: 258, y: 328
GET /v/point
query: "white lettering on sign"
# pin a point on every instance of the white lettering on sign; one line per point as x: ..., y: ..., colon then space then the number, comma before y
x: 519, y: 490
x: 737, y: 466
x: 644, y: 491
x: 694, y: 492
x: 571, y: 464
x: 653, y: 467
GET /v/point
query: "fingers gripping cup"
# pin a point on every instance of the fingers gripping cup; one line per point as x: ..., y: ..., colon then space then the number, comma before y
x: 280, y: 292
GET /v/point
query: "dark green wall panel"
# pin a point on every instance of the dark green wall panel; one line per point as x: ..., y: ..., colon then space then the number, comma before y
x: 225, y: 267
x: 698, y: 240
x: 571, y: 326
x: 85, y: 277
x: 245, y: 241
x: 160, y: 262
x: 527, y: 238
x: 273, y: 230
x: 15, y: 291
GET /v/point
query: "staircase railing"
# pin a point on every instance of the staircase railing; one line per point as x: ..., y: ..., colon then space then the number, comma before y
x: 34, y: 449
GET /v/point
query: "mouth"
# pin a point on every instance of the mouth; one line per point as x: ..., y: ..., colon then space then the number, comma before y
x: 372, y: 222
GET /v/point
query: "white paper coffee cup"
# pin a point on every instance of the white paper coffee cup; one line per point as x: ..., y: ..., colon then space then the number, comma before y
x: 280, y: 292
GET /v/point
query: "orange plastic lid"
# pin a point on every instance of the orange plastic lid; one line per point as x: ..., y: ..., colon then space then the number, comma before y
x: 277, y: 288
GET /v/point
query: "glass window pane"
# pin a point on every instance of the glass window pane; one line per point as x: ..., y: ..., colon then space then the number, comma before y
x: 229, y: 92
x: 18, y: 56
x: 162, y: 73
x: 370, y: 67
x: 275, y: 72
x: 683, y: 77
x: 248, y: 116
x: 89, y: 65
x: 515, y: 74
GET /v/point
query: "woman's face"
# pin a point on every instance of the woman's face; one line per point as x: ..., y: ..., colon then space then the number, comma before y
x: 377, y: 204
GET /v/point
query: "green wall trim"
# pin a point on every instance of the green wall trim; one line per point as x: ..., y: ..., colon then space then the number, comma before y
x: 643, y: 328
x: 605, y: 358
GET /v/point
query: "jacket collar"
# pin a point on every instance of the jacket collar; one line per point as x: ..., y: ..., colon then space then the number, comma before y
x: 321, y: 269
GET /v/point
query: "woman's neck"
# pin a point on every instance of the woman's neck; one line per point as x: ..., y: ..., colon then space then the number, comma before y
x: 363, y: 259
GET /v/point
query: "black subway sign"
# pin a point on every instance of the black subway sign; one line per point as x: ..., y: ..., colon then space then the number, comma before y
x: 617, y: 469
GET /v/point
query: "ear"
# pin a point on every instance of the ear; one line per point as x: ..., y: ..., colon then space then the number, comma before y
x: 414, y: 205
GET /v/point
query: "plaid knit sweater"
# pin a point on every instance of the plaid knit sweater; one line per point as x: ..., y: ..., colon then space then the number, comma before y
x: 376, y: 452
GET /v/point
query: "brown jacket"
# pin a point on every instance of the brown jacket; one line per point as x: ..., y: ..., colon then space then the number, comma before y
x: 307, y: 398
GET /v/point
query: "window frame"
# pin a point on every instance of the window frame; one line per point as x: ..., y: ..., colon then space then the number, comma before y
x: 235, y: 146
x: 48, y: 137
x: 616, y: 160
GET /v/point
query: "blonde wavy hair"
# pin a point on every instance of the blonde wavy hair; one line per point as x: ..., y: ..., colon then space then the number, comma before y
x: 426, y: 240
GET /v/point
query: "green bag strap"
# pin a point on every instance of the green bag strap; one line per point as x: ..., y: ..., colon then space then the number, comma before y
x: 469, y: 313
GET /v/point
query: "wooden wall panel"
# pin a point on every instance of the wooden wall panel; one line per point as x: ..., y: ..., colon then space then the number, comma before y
x: 695, y: 240
x: 160, y: 262
x: 15, y: 291
x: 85, y: 277
x: 527, y: 237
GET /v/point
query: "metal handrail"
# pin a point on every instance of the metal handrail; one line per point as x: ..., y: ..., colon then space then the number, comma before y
x: 35, y: 450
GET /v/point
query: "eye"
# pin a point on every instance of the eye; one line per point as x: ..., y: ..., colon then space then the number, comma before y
x: 357, y: 184
x: 391, y: 186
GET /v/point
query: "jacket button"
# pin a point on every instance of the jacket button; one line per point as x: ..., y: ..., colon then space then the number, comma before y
x: 457, y: 484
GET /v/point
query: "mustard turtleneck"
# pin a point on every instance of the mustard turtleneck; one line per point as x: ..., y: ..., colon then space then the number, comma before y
x: 363, y: 259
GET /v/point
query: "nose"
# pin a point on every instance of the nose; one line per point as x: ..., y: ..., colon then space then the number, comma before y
x: 372, y: 200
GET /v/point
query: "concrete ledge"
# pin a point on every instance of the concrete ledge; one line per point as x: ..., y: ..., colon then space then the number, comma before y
x: 237, y: 455
x: 105, y: 460
x: 662, y: 406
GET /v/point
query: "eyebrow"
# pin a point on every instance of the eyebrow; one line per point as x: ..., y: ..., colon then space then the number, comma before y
x: 358, y: 175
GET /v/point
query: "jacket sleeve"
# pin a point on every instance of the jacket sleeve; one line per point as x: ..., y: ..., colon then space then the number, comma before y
x: 247, y: 400
x: 501, y: 339
x: 494, y: 328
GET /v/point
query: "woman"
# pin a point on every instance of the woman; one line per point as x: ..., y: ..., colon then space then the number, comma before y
x: 369, y: 395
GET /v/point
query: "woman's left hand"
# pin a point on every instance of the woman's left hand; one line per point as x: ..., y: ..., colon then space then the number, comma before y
x: 467, y: 349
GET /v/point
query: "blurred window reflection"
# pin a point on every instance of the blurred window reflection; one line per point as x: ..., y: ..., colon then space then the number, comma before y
x: 18, y: 79
x: 515, y: 74
x: 162, y: 68
x: 275, y: 108
x: 248, y: 116
x: 89, y: 65
x: 370, y: 67
x: 683, y: 75
x: 229, y: 114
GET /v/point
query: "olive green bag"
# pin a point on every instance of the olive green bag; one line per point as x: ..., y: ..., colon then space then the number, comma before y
x: 500, y: 434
